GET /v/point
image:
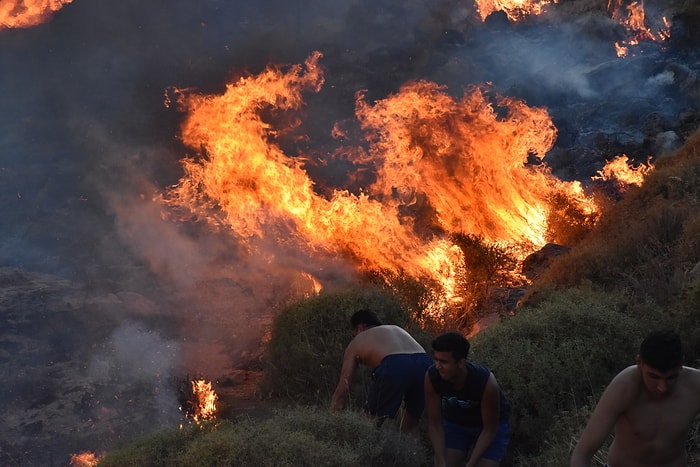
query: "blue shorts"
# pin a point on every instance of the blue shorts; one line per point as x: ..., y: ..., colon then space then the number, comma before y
x: 464, y: 438
x: 398, y: 378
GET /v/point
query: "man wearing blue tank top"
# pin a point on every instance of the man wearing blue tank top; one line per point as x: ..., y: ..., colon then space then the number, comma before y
x: 468, y: 414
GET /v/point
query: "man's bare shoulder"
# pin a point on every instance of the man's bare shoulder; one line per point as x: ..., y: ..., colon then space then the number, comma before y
x: 694, y: 372
x: 630, y: 373
x: 626, y: 383
x: 692, y: 376
x: 381, y: 332
x: 388, y: 328
x: 373, y: 337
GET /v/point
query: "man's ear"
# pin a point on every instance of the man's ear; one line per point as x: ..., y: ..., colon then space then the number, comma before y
x: 638, y: 361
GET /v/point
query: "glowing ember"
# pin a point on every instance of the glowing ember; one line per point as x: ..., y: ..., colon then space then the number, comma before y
x: 620, y: 170
x: 633, y: 18
x: 27, y: 13
x: 442, y: 165
x: 204, y: 400
x: 84, y: 459
x: 515, y: 9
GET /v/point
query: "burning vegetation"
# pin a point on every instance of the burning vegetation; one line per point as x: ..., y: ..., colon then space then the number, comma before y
x: 632, y: 16
x: 448, y: 191
x: 442, y: 166
x: 84, y: 459
x: 514, y: 9
x: 198, y: 400
x: 28, y: 13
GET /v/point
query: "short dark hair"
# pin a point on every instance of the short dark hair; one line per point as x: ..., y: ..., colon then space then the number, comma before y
x: 452, y: 342
x: 662, y: 350
x: 366, y: 317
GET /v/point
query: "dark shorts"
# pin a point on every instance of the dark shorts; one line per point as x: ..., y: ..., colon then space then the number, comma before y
x: 463, y: 438
x: 398, y: 378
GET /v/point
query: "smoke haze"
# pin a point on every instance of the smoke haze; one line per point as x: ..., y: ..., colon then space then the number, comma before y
x: 106, y: 300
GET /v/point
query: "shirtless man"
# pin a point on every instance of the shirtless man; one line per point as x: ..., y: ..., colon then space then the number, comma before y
x: 398, y: 362
x: 650, y: 406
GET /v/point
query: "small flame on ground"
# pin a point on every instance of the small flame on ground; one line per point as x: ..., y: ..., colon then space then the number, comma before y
x: 204, y: 400
x: 84, y: 459
x: 28, y: 13
x: 633, y: 18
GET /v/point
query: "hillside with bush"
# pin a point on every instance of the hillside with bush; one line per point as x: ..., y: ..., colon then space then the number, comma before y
x: 576, y: 327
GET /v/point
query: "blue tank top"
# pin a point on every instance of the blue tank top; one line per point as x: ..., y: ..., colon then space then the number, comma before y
x: 463, y: 406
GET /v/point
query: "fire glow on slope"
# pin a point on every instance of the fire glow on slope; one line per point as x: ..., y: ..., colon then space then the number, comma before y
x: 629, y: 14
x: 514, y: 9
x: 633, y: 17
x: 461, y: 161
x: 27, y: 13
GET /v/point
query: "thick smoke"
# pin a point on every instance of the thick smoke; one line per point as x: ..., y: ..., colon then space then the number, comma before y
x: 107, y: 300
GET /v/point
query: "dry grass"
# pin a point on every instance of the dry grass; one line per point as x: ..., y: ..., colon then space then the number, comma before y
x: 645, y: 244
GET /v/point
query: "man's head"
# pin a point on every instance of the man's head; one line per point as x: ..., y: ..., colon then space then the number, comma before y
x: 660, y: 361
x: 662, y: 350
x: 452, y: 342
x: 450, y: 350
x: 364, y: 318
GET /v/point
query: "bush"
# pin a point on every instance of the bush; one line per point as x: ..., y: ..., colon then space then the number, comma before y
x: 557, y: 355
x: 562, y: 438
x: 296, y: 437
x: 484, y: 267
x: 303, y: 357
x: 158, y: 449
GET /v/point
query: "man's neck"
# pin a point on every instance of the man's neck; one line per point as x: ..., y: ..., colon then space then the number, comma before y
x: 460, y: 378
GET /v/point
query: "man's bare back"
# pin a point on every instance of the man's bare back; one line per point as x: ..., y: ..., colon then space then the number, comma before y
x: 372, y: 345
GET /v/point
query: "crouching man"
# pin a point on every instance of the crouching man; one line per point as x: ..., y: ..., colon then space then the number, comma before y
x: 468, y: 414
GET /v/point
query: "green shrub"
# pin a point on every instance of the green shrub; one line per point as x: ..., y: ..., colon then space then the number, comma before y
x: 561, y: 439
x: 296, y: 437
x: 686, y: 313
x: 303, y: 357
x: 158, y: 449
x: 554, y: 356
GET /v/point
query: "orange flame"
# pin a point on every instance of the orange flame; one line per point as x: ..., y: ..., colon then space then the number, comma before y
x: 633, y: 18
x: 467, y: 162
x: 516, y: 10
x: 28, y: 13
x: 442, y: 165
x: 620, y: 170
x: 205, y: 400
x: 84, y: 459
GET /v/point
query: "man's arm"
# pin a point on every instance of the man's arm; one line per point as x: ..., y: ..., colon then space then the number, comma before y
x: 436, y: 432
x: 611, y: 405
x: 340, y: 395
x: 490, y: 413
